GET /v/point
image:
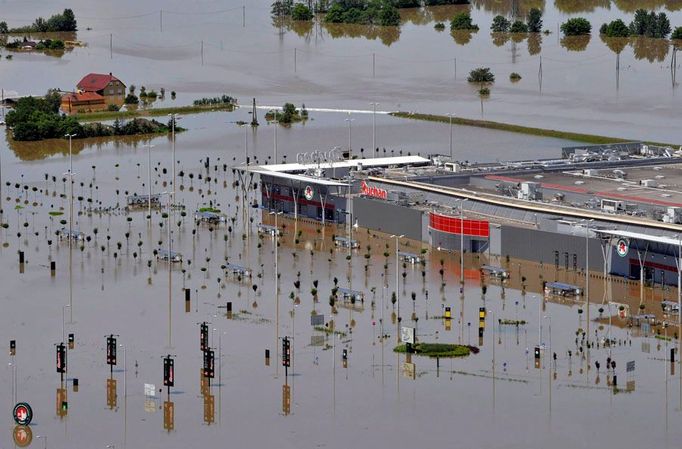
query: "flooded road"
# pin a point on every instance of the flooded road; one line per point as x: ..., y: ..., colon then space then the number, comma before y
x: 215, y: 48
x: 497, y: 398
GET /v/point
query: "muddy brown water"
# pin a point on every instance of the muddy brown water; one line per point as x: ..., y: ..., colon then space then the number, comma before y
x: 496, y: 398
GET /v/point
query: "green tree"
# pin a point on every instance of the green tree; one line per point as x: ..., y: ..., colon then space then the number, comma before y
x: 677, y: 34
x: 335, y: 14
x: 616, y: 28
x: 462, y: 21
x: 576, y: 26
x: 534, y: 20
x: 301, y: 12
x: 500, y: 25
x: 131, y: 99
x: 481, y: 75
x: 518, y: 27
x: 3, y: 28
x: 650, y: 24
x: 389, y: 16
x: 281, y: 8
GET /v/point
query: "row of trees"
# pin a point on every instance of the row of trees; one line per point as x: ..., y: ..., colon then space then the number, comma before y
x: 645, y: 24
x: 533, y: 23
x: 39, y: 118
x: 47, y: 44
x: 367, y: 12
x: 66, y: 21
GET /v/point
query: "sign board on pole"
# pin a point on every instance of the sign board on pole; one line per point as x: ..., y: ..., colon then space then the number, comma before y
x: 317, y: 320
x: 622, y: 247
x: 630, y: 366
x: 150, y: 390
x: 407, y: 335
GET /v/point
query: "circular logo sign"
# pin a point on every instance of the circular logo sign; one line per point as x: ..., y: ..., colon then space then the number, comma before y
x: 22, y: 414
x: 23, y: 436
x: 308, y: 193
x: 622, y: 247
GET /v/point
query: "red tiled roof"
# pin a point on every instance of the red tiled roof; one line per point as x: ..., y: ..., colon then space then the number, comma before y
x: 93, y: 82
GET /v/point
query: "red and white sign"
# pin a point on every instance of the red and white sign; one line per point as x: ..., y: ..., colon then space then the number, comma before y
x: 308, y: 193
x: 374, y: 192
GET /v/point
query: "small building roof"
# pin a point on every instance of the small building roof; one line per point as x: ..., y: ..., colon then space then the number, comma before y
x: 640, y: 236
x: 293, y: 177
x: 76, y: 97
x: 93, y: 82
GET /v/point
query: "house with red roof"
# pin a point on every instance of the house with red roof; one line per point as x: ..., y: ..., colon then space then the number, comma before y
x: 106, y: 85
x: 73, y: 102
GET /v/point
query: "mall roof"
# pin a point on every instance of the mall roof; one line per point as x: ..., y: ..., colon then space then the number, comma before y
x: 349, y: 163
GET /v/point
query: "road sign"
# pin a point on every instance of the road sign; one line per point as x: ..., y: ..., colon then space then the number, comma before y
x: 22, y: 414
x: 168, y: 372
x: 317, y: 320
x: 407, y: 335
x: 630, y: 366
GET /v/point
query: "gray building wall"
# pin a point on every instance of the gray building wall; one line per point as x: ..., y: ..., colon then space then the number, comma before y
x: 388, y: 217
x: 540, y: 246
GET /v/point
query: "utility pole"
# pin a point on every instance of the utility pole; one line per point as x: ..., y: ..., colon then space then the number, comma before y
x: 70, y: 136
x: 161, y: 21
x: 202, y: 52
x: 111, y: 46
x: 374, y: 129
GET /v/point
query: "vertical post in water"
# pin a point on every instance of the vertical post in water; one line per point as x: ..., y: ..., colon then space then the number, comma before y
x: 202, y: 52
x: 295, y: 55
x: 455, y: 61
x: 243, y: 16
x: 111, y: 46
x: 540, y: 74
x: 373, y: 65
x: 161, y: 20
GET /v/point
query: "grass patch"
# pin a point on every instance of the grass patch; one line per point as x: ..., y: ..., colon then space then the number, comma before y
x: 512, y: 322
x: 328, y: 331
x: 437, y: 349
x: 152, y: 112
x: 209, y: 209
x: 55, y: 213
x: 578, y: 137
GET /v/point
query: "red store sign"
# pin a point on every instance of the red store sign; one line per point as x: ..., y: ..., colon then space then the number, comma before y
x: 374, y: 192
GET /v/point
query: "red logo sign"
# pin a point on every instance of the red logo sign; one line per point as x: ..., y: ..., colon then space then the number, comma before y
x: 374, y: 192
x: 23, y: 414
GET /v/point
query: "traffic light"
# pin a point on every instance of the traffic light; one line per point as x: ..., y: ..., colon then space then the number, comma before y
x: 537, y: 352
x: 168, y: 372
x: 12, y: 347
x: 481, y: 314
x: 203, y: 338
x: 61, y: 358
x: 209, y: 364
x: 72, y: 341
x: 344, y: 358
x: 448, y: 313
x: 111, y: 350
x: 286, y: 352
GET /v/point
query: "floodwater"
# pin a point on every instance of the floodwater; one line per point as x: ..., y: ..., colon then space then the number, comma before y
x: 496, y: 398
x: 332, y: 66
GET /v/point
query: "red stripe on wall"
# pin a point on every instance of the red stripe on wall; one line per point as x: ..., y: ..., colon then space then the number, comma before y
x: 453, y: 225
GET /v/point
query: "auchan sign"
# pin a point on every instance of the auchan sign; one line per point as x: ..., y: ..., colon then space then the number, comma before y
x: 374, y: 192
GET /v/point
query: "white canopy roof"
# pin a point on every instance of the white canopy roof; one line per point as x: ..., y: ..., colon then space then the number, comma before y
x: 301, y: 178
x: 639, y: 236
x: 351, y: 163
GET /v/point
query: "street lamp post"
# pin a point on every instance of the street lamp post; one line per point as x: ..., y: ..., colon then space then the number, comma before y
x: 149, y: 180
x: 350, y: 136
x: 276, y: 123
x: 63, y: 332
x: 461, y: 244
x: 70, y: 136
x: 397, y: 267
x: 374, y: 129
x: 450, y: 116
x: 587, y: 276
x: 44, y: 438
